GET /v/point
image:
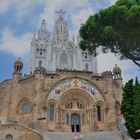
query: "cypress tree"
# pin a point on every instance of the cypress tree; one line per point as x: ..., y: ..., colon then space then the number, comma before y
x: 127, y: 107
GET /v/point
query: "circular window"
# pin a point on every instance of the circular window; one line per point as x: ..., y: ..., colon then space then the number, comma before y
x: 26, y: 107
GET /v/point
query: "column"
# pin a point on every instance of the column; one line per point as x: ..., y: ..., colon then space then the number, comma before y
x: 95, y: 118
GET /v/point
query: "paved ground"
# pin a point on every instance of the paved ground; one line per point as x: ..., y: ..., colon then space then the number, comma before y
x: 82, y: 136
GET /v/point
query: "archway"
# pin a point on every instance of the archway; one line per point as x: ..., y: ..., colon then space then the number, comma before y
x: 9, y: 137
x: 75, y: 122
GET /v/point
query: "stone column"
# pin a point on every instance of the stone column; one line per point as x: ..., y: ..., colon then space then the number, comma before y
x: 95, y: 118
x: 57, y: 117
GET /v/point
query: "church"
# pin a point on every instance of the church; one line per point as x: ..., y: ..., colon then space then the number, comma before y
x: 62, y: 91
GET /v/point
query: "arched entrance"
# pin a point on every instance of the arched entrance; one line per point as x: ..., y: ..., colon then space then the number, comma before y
x: 75, y: 122
x: 9, y: 137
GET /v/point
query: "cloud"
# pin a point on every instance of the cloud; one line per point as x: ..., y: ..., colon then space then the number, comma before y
x: 77, y: 12
x: 5, y: 5
x: 108, y: 61
x: 16, y: 45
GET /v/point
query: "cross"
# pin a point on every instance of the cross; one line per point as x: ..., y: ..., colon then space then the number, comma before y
x: 61, y: 13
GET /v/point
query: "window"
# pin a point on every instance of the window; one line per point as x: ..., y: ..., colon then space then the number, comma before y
x: 67, y: 119
x: 83, y: 119
x: 9, y: 137
x: 51, y: 112
x: 26, y: 107
x: 57, y: 91
x: 86, y: 67
x: 61, y: 28
x: 40, y: 63
x: 99, y: 113
x: 64, y: 59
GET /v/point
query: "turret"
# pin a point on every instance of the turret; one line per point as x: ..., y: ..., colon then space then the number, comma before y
x: 18, y: 65
x: 60, y: 31
x: 117, y: 73
x: 43, y: 33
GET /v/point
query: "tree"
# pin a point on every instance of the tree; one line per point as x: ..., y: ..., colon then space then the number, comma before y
x: 131, y: 107
x: 115, y: 29
x: 137, y: 105
x: 127, y: 107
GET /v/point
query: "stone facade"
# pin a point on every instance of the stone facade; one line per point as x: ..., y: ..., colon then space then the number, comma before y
x: 57, y: 50
x: 65, y: 99
x: 13, y: 131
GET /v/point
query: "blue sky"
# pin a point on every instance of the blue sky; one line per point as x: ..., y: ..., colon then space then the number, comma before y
x: 20, y: 19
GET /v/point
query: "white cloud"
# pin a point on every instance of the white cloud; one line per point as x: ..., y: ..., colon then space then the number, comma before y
x: 112, y: 1
x: 108, y: 61
x: 77, y: 11
x: 5, y: 5
x: 16, y: 45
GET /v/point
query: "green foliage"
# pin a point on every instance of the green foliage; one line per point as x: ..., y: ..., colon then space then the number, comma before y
x: 116, y: 29
x: 131, y: 106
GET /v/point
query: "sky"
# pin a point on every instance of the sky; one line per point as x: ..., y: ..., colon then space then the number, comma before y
x: 20, y: 19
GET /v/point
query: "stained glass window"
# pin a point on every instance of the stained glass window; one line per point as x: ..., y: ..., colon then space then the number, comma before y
x: 26, y: 107
x: 51, y: 112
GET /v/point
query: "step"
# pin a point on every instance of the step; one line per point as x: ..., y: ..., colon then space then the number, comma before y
x: 82, y: 136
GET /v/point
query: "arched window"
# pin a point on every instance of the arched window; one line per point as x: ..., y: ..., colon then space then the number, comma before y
x: 83, y: 119
x: 64, y: 59
x: 9, y: 137
x: 67, y: 119
x: 99, y: 113
x: 86, y: 66
x: 51, y: 112
x: 61, y: 28
x: 40, y: 63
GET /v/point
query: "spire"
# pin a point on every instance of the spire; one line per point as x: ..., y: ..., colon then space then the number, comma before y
x: 42, y: 33
x: 60, y: 30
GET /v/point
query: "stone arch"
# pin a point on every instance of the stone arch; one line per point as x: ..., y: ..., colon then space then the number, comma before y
x: 25, y: 101
x: 55, y: 105
x: 9, y: 137
x: 75, y: 93
x: 54, y: 86
x: 100, y: 107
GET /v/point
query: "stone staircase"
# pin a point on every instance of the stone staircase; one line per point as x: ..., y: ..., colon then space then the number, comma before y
x: 82, y: 136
